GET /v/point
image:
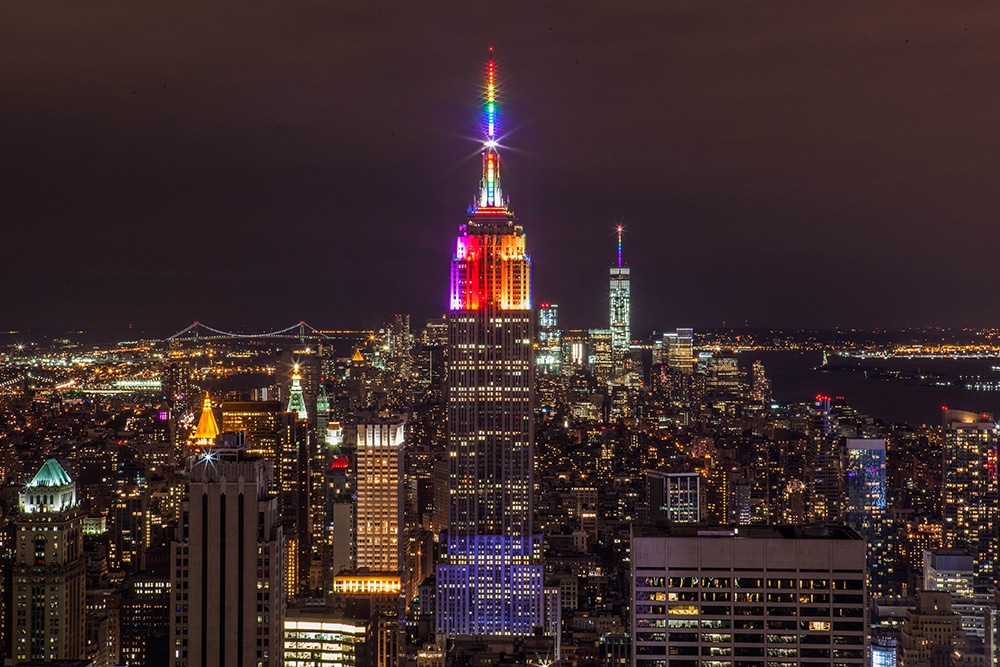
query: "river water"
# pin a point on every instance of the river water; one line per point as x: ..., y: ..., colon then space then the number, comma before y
x: 794, y: 381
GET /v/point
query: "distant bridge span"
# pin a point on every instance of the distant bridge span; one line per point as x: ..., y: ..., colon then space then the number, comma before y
x: 300, y: 330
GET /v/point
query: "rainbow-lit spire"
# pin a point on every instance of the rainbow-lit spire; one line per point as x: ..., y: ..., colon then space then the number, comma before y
x: 490, y: 194
x: 491, y: 99
x: 490, y: 268
x: 620, y: 247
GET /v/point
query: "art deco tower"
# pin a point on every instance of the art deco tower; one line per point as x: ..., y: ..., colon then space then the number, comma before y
x: 227, y: 579
x: 47, y: 616
x: 490, y: 581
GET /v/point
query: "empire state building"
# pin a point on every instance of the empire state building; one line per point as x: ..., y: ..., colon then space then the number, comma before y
x: 490, y: 580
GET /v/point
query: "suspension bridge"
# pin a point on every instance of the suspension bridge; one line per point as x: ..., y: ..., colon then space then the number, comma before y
x: 301, y: 331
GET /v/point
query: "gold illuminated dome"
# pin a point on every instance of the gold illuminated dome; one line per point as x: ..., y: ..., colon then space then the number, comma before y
x: 357, y: 356
x: 208, y: 428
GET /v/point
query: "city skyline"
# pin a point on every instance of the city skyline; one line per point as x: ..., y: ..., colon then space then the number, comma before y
x: 500, y: 484
x: 151, y: 179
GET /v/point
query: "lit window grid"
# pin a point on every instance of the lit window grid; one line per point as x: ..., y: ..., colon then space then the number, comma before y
x: 866, y: 480
x: 380, y: 497
x: 787, y: 617
x: 684, y: 498
x: 322, y: 643
x: 490, y: 270
x: 620, y: 307
x: 489, y: 598
x: 970, y: 494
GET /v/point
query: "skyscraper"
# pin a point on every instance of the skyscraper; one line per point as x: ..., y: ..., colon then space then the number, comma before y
x: 322, y: 419
x: 490, y: 580
x: 305, y: 361
x: 48, y: 582
x: 260, y: 421
x: 228, y: 576
x: 319, y: 450
x: 768, y: 595
x: 380, y: 495
x: 931, y: 632
x: 674, y: 496
x: 400, y: 344
x: 602, y: 356
x: 145, y: 619
x: 826, y: 474
x: 680, y: 350
x: 949, y: 570
x: 866, y: 481
x: 760, y: 387
x: 970, y: 489
x: 321, y: 637
x: 952, y: 570
x: 621, y: 313
x: 549, y: 359
x: 338, y: 497
x: 295, y: 481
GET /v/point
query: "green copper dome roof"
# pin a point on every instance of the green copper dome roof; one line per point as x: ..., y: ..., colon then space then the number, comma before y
x: 51, y: 474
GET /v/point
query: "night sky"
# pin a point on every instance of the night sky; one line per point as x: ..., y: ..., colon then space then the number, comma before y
x: 253, y: 164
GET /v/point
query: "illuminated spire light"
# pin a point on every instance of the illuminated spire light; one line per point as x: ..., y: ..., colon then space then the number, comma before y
x: 619, y: 246
x: 490, y: 194
x: 490, y: 268
x: 491, y: 99
x: 296, y: 401
x: 490, y: 179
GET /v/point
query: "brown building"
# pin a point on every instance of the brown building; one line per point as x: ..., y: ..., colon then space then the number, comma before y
x: 931, y: 632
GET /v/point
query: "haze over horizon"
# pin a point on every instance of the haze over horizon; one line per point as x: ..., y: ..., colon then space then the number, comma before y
x: 253, y: 164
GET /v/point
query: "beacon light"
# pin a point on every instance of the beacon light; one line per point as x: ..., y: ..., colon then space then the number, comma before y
x: 619, y: 246
x: 491, y: 97
x: 490, y: 180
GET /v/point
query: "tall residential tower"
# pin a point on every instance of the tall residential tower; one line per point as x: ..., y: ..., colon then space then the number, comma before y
x: 490, y: 580
x: 971, y: 492
x: 380, y: 494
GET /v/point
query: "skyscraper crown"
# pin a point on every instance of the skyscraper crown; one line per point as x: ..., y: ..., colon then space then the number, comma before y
x: 207, y: 429
x: 50, y: 490
x: 490, y: 268
x: 296, y: 400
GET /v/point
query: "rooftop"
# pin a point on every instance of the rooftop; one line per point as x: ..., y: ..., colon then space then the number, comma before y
x: 818, y: 531
x: 51, y: 474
